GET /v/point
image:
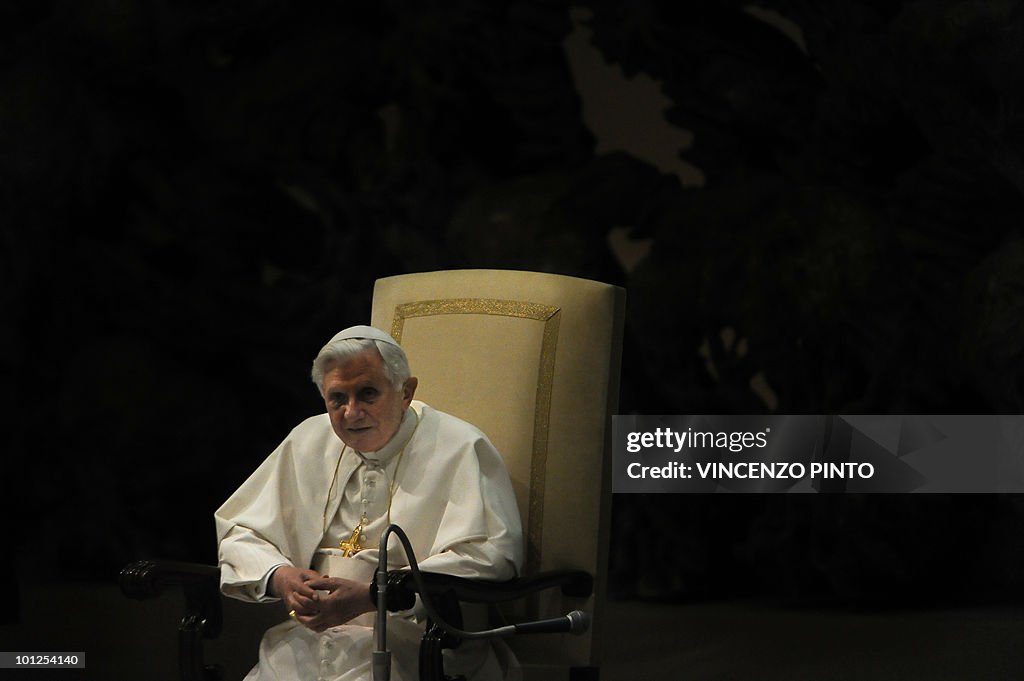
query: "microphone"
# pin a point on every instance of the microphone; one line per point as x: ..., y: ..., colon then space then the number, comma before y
x: 576, y: 622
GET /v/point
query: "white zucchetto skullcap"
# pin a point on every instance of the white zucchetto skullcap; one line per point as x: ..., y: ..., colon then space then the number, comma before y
x: 364, y: 332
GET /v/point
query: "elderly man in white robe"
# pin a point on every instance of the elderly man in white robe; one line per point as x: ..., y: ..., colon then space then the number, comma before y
x: 304, y: 528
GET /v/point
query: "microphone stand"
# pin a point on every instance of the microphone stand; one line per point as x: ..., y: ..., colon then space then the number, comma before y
x: 381, y: 654
x: 575, y: 622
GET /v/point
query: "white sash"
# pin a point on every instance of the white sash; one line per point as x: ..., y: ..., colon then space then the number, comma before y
x: 333, y: 563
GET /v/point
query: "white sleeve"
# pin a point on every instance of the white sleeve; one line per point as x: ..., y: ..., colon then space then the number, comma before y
x: 247, y: 563
x: 274, y: 517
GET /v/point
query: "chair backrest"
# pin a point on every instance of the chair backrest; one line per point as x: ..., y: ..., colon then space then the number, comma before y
x: 531, y: 359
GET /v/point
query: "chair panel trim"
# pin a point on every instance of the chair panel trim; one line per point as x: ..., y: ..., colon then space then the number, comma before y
x: 550, y: 316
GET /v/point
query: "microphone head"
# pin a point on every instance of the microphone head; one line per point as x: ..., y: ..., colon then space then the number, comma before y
x: 579, y: 622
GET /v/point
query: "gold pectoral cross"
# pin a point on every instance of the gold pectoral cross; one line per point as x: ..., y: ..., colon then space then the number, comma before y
x: 353, y: 545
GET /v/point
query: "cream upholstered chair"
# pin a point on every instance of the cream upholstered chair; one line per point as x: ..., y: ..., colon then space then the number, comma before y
x: 531, y: 359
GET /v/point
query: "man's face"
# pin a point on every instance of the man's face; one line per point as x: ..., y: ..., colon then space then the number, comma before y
x: 365, y: 408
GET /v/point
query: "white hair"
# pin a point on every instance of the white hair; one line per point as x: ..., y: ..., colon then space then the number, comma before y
x: 396, y: 364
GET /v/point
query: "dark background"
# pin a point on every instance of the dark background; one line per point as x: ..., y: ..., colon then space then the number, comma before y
x: 196, y: 195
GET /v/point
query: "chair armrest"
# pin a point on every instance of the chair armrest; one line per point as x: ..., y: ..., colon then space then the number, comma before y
x: 447, y: 591
x: 148, y: 578
x: 203, y: 617
x: 402, y: 587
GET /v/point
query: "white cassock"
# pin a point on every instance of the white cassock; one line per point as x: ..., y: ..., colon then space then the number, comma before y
x: 439, y: 478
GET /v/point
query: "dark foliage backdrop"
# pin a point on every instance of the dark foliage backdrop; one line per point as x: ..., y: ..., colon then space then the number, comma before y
x: 196, y: 194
